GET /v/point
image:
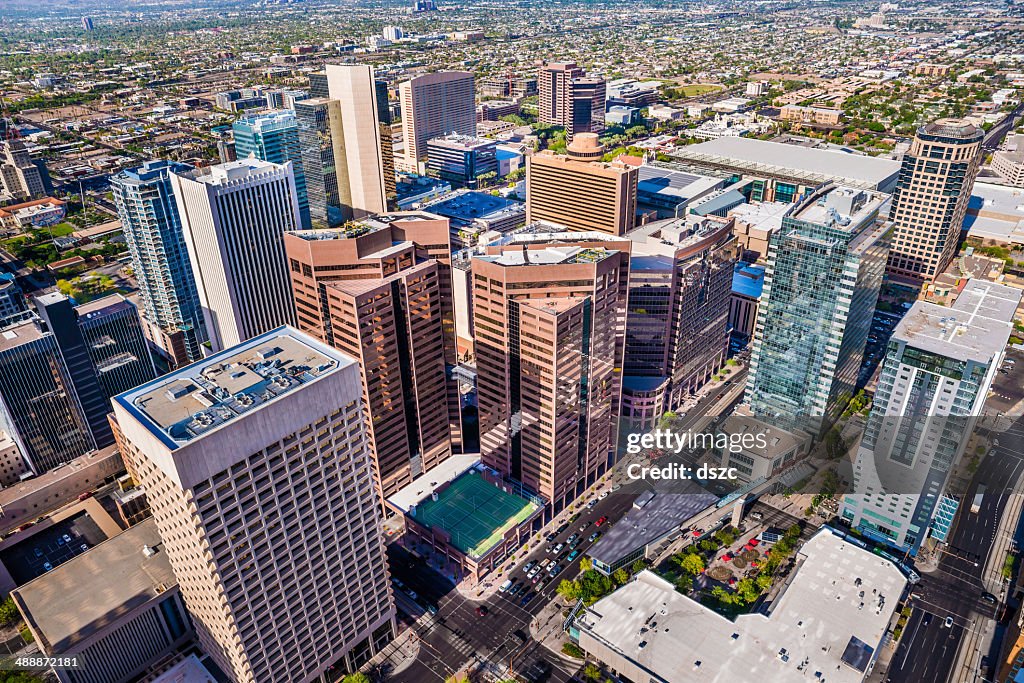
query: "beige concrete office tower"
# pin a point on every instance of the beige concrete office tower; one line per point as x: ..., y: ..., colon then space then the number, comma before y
x: 549, y: 310
x: 434, y: 105
x: 931, y: 197
x: 255, y: 465
x: 233, y: 216
x: 569, y: 98
x: 20, y: 178
x: 579, y: 191
x: 381, y: 291
x: 359, y: 141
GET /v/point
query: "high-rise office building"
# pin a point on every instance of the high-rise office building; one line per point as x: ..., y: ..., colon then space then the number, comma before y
x: 233, y: 217
x: 87, y: 23
x: 274, y: 137
x: 12, y: 301
x: 365, y: 160
x: 255, y: 465
x: 381, y: 291
x: 569, y: 98
x: 38, y: 401
x: 554, y: 183
x: 152, y: 228
x: 112, y: 331
x: 321, y: 140
x: 677, y: 330
x: 462, y: 160
x: 434, y: 105
x: 935, y: 377
x: 931, y: 197
x: 824, y: 272
x: 20, y: 177
x: 549, y: 313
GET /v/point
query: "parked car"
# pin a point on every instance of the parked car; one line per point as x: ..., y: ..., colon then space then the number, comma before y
x: 481, y: 611
x: 594, y: 536
x: 601, y: 521
x: 949, y: 622
x: 505, y: 586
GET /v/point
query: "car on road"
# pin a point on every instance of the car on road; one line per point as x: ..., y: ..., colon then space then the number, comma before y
x: 572, y: 556
x: 481, y: 611
x: 757, y: 515
x: 594, y: 536
x: 557, y: 549
x: 529, y: 565
x: 412, y: 594
x: 561, y: 557
x: 533, y: 572
x: 949, y: 622
x: 592, y: 503
x: 604, y: 494
x: 505, y: 586
x: 541, y: 586
x: 551, y: 537
x: 555, y: 571
x: 84, y: 547
x: 572, y: 538
x: 575, y: 544
x: 39, y: 552
x: 67, y: 538
x: 988, y: 597
x: 602, y: 520
x: 583, y: 527
x: 561, y: 528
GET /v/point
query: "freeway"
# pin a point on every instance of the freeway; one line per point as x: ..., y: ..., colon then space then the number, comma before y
x: 996, y: 134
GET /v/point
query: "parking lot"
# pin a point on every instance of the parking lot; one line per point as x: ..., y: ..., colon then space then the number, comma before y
x: 51, y: 547
x: 1008, y: 387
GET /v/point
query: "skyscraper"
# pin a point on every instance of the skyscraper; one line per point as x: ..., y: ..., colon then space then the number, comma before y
x: 381, y: 291
x: 824, y: 271
x: 549, y: 311
x: 20, y: 177
x: 931, y: 197
x: 12, y: 301
x: 233, y: 217
x: 87, y: 23
x: 677, y: 331
x: 555, y: 184
x: 113, y: 336
x: 152, y: 228
x: 256, y: 468
x: 569, y: 98
x: 434, y: 105
x: 38, y: 401
x: 352, y: 85
x: 274, y: 137
x: 321, y: 140
x: 934, y: 381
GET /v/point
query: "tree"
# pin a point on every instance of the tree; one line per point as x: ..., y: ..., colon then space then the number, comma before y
x: 586, y: 564
x: 620, y: 576
x: 684, y: 584
x: 571, y: 591
x: 591, y: 672
x: 357, y: 677
x: 573, y: 650
x: 694, y: 564
x: 9, y: 614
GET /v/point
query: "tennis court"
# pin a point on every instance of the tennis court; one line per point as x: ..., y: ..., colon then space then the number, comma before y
x: 475, y: 513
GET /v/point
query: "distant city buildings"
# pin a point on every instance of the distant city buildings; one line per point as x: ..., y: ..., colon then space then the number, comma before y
x: 160, y: 262
x: 931, y: 197
x: 549, y: 310
x: 274, y: 137
x: 87, y: 24
x: 254, y: 458
x: 462, y: 160
x: 233, y: 217
x: 936, y: 375
x: 20, y: 176
x: 816, y: 306
x: 569, y: 98
x: 677, y: 335
x: 552, y: 181
x: 434, y: 105
x: 1009, y: 161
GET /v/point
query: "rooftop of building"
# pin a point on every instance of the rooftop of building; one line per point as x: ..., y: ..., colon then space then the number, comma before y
x: 825, y: 625
x: 149, y: 171
x: 103, y: 305
x: 763, y: 157
x: 777, y: 441
x: 470, y: 205
x: 223, y: 174
x: 670, y: 236
x: 996, y: 212
x: 958, y: 129
x: 456, y: 499
x: 761, y: 215
x: 748, y: 280
x: 35, y: 204
x: 271, y: 119
x: 549, y: 256
x: 461, y: 142
x: 22, y: 333
x: 191, y: 670
x: 195, y: 400
x: 667, y: 182
x: 82, y: 596
x: 846, y: 208
x: 976, y: 327
x: 653, y: 515
x: 364, y: 226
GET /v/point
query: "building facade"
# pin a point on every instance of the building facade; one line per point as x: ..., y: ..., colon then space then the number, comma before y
x: 816, y: 305
x: 256, y: 468
x: 233, y: 217
x: 677, y: 333
x: 549, y: 311
x: 462, y: 160
x: 20, y: 176
x: 112, y: 332
x: 434, y: 105
x: 553, y: 183
x: 160, y: 262
x: 931, y: 197
x: 935, y: 377
x: 274, y: 137
x: 569, y: 98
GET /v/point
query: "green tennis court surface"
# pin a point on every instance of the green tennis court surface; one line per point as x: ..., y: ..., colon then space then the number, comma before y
x: 475, y: 513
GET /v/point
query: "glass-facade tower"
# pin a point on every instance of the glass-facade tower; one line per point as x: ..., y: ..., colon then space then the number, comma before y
x: 274, y: 137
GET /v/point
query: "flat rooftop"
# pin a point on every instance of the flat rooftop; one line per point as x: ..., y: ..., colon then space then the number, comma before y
x: 996, y: 212
x: 222, y: 174
x: 16, y: 335
x: 653, y: 516
x: 105, y: 305
x: 549, y: 256
x: 82, y: 596
x: 825, y: 625
x: 473, y: 512
x: 976, y: 327
x: 200, y: 398
x: 667, y: 237
x: 748, y: 280
x: 678, y: 185
x: 841, y: 206
x: 762, y: 215
x: 760, y: 157
x: 469, y: 206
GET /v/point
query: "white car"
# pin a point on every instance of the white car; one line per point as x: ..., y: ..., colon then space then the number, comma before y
x: 533, y: 572
x: 604, y: 494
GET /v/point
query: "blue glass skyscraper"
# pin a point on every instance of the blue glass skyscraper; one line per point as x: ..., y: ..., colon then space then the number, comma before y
x: 274, y: 137
x: 152, y: 228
